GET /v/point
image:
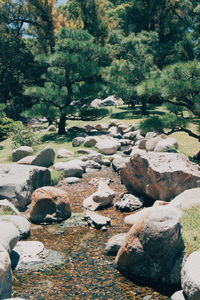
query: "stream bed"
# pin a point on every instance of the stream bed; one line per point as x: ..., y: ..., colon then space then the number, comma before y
x: 87, y: 273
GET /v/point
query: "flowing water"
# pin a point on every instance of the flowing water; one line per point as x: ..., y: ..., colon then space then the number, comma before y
x: 87, y: 273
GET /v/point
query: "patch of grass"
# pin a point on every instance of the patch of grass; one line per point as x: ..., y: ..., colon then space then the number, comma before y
x: 56, y: 176
x: 191, y: 229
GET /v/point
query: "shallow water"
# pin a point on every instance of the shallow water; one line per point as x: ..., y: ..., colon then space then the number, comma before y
x: 87, y: 272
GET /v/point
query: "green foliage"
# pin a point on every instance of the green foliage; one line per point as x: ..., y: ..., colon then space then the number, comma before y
x: 191, y: 229
x: 152, y: 124
x: 7, y: 126
x: 74, y: 72
x: 167, y: 124
x: 24, y: 136
x: 91, y: 114
x: 134, y: 64
x: 180, y: 84
x: 56, y: 176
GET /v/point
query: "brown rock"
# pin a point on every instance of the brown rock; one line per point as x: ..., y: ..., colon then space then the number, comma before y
x: 159, y: 175
x: 49, y: 204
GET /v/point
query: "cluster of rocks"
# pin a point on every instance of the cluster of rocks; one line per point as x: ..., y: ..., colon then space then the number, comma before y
x: 153, y: 249
x: 109, y: 101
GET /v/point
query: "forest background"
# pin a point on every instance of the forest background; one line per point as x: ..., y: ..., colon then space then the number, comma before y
x: 55, y: 59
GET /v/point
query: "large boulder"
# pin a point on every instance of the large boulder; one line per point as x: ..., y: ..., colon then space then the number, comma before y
x: 9, y: 235
x: 188, y: 199
x: 20, y: 222
x: 49, y: 204
x: 190, y: 276
x: 44, y: 158
x: 108, y: 146
x: 159, y: 175
x: 21, y: 152
x: 73, y: 168
x: 19, y: 181
x: 153, y: 250
x: 5, y: 274
x: 102, y: 198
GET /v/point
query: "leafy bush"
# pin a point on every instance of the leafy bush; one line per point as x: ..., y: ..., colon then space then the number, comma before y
x: 152, y: 124
x: 24, y: 136
x: 168, y: 124
x: 91, y: 113
x: 7, y: 126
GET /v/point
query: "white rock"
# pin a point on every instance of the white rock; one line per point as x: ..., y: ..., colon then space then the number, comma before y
x: 188, y: 199
x: 108, y: 146
x: 9, y: 235
x: 64, y: 153
x: 22, y: 224
x: 166, y: 145
x: 178, y: 296
x: 96, y: 220
x: 190, y: 276
x: 5, y: 274
x: 29, y: 251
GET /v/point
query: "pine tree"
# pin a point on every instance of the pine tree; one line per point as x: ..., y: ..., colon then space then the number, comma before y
x: 74, y: 72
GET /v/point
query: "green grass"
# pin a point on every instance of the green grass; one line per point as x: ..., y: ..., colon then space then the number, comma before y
x: 191, y: 229
x: 187, y: 145
x: 56, y: 176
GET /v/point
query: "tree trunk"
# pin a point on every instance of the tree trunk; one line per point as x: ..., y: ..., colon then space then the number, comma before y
x: 144, y: 107
x: 61, y: 125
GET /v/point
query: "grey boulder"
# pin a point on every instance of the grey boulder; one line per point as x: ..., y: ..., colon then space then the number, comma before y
x: 19, y: 181
x: 20, y: 222
x: 9, y: 235
x: 21, y: 152
x: 45, y: 158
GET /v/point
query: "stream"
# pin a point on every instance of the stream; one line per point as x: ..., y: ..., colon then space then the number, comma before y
x: 87, y: 273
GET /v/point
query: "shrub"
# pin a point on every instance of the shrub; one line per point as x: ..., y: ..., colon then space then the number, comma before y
x: 7, y: 126
x: 24, y: 136
x: 152, y: 124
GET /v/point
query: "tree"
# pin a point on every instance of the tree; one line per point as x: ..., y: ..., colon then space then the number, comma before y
x: 74, y: 73
x: 135, y: 61
x: 17, y: 70
x: 179, y: 86
x: 170, y: 19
